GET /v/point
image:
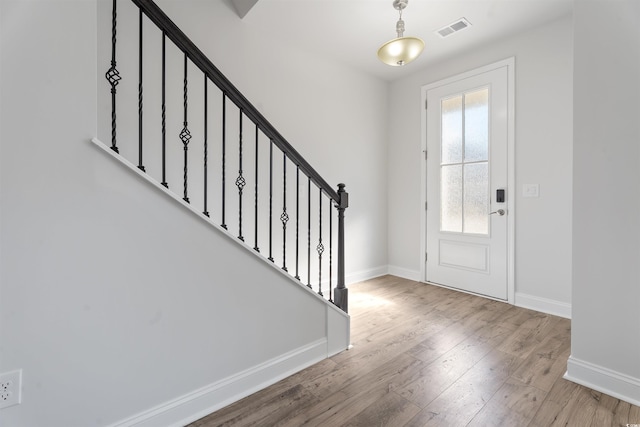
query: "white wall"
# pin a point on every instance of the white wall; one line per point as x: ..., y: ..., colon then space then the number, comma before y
x: 543, y: 93
x: 605, y: 349
x: 112, y: 299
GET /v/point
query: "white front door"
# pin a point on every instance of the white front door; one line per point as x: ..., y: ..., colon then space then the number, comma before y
x: 467, y: 131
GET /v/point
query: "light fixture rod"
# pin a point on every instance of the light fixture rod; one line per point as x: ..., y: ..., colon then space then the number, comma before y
x: 399, y: 5
x: 400, y: 28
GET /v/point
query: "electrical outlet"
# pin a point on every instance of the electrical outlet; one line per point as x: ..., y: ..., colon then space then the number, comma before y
x: 10, y: 388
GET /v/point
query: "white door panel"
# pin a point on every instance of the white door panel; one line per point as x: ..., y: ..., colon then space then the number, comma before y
x: 468, y: 256
x: 467, y: 140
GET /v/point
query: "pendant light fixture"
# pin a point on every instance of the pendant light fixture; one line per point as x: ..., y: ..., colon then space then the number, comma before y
x: 401, y: 50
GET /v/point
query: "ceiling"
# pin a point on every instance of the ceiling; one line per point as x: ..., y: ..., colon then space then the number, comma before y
x: 351, y: 31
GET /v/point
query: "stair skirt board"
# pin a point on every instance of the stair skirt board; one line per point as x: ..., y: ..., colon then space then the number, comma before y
x: 338, y: 337
x: 134, y: 169
x: 199, y: 403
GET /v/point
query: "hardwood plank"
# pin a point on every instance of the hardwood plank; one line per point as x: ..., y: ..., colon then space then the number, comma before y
x: 346, y: 409
x: 382, y: 346
x: 581, y: 409
x: 402, y: 369
x: 436, y: 345
x: 626, y: 413
x: 334, y: 403
x: 547, y: 362
x: 408, y: 324
x: 444, y: 371
x: 391, y: 410
x: 515, y: 404
x: 560, y: 395
x: 605, y: 411
x: 354, y: 381
x: 529, y: 334
x: 567, y: 404
x: 252, y: 410
x: 487, y: 312
x: 458, y: 404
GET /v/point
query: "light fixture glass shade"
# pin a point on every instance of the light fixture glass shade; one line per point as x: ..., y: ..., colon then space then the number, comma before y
x: 400, y: 51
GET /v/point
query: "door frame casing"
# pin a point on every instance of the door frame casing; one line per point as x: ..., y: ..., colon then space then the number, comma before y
x: 511, y: 180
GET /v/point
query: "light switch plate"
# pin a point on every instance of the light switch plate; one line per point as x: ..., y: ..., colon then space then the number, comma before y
x: 531, y: 190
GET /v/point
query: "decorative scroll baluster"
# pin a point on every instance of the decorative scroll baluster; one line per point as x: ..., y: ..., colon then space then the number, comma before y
x: 285, y: 216
x: 255, y: 216
x: 271, y: 201
x: 240, y: 181
x: 297, y: 276
x: 206, y: 148
x: 185, y: 135
x: 164, y: 111
x: 341, y: 293
x: 309, y: 233
x: 113, y: 76
x: 224, y: 157
x: 140, y: 164
x: 320, y: 247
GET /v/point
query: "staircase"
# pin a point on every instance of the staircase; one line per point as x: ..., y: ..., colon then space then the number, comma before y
x: 179, y: 125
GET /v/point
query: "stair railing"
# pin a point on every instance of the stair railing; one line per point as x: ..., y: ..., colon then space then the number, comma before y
x: 263, y: 130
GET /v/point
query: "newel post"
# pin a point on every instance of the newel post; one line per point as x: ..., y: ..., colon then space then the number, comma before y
x: 341, y: 293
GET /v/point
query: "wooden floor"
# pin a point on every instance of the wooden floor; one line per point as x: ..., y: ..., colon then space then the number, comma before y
x: 428, y: 356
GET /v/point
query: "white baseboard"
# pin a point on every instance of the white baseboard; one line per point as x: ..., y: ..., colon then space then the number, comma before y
x: 604, y: 380
x: 197, y: 404
x: 544, y: 305
x: 362, y: 275
x: 405, y: 273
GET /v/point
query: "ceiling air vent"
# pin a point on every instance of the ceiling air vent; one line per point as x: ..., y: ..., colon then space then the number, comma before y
x: 454, y: 27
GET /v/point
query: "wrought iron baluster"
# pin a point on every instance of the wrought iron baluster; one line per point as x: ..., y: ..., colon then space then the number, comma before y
x: 271, y: 201
x: 320, y: 247
x: 224, y: 157
x: 185, y: 135
x: 164, y: 111
x: 140, y: 164
x: 309, y: 232
x: 284, y: 217
x: 206, y: 148
x: 255, y: 216
x: 113, y: 75
x: 240, y: 181
x: 297, y: 220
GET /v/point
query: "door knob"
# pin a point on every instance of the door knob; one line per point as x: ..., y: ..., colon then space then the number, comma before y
x: 499, y: 212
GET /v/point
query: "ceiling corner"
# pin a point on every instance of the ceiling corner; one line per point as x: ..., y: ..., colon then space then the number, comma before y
x: 243, y: 6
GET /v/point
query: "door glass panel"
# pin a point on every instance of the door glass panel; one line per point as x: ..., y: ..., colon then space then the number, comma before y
x: 451, y: 198
x: 476, y: 126
x: 452, y: 130
x: 476, y: 200
x: 464, y: 167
